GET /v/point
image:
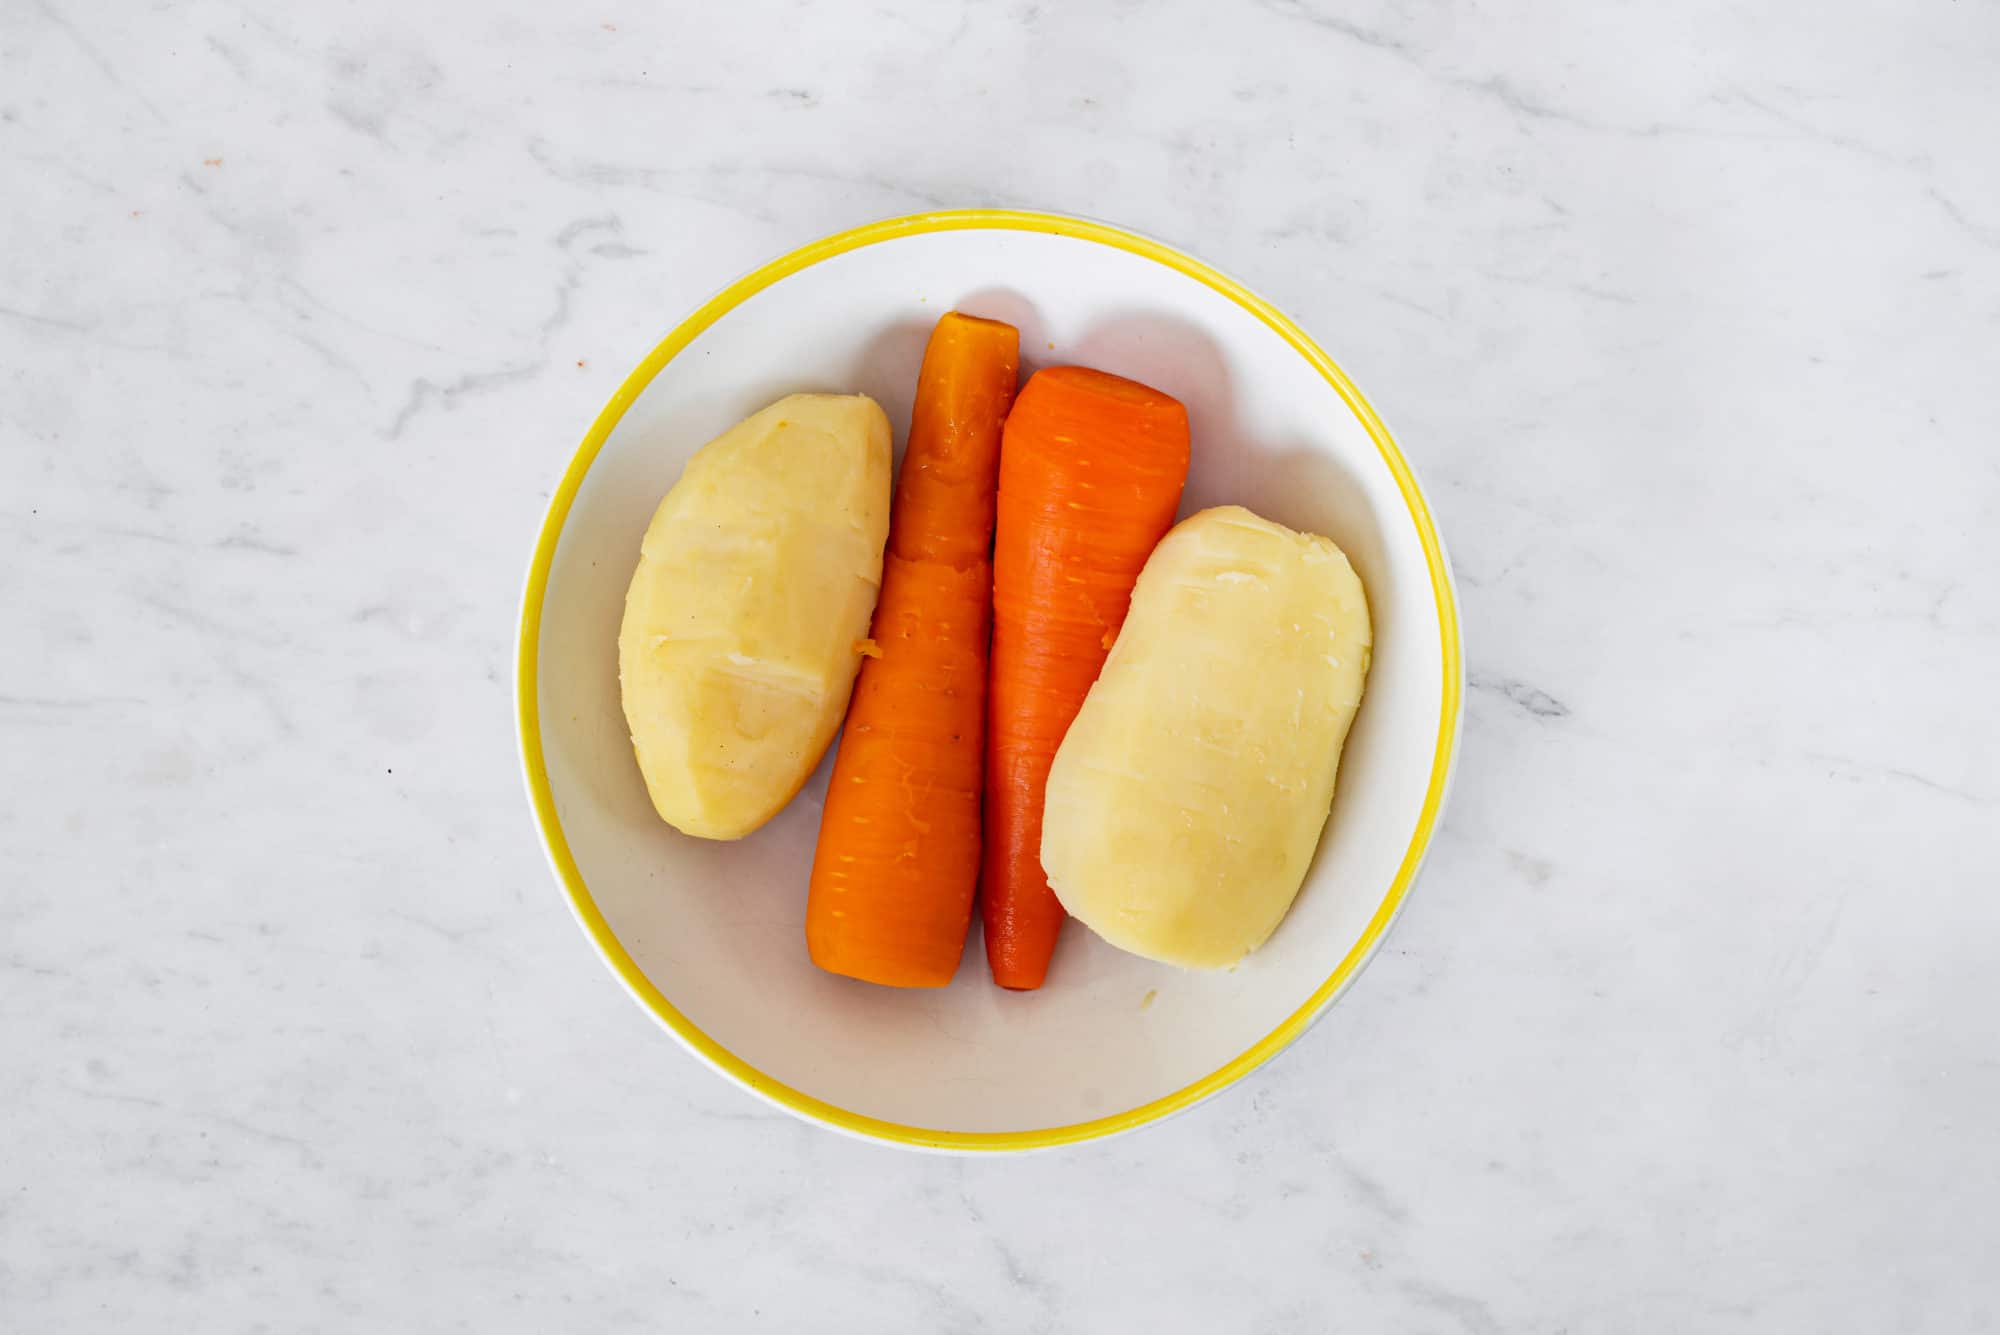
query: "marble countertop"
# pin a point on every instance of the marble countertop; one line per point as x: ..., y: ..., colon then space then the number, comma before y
x: 1688, y: 317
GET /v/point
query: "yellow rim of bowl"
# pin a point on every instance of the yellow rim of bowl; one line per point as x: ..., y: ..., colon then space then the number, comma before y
x: 529, y: 721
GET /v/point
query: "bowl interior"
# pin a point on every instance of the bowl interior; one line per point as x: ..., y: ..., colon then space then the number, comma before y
x: 718, y: 928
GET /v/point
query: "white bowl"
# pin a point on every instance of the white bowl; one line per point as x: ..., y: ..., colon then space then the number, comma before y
x: 709, y: 937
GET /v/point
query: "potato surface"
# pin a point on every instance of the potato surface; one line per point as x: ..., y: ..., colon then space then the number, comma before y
x: 1188, y: 796
x: 756, y: 581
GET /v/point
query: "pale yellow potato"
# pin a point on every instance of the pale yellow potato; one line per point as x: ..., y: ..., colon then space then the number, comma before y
x: 757, y: 576
x: 1188, y: 796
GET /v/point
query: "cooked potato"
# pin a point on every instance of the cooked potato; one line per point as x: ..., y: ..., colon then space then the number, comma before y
x: 756, y: 579
x: 1188, y: 796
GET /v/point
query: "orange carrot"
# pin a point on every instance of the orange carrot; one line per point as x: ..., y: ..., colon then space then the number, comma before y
x: 898, y: 857
x: 1091, y: 471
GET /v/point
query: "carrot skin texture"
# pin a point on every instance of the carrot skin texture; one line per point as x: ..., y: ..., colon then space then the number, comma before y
x: 898, y: 859
x: 1091, y: 472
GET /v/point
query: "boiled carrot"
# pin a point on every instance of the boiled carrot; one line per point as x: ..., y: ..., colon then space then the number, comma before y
x: 897, y: 863
x: 1091, y: 471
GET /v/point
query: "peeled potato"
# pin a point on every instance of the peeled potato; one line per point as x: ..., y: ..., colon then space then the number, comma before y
x: 756, y: 580
x: 1187, y: 797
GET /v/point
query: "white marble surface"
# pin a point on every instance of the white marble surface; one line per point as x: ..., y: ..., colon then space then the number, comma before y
x: 1688, y: 314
